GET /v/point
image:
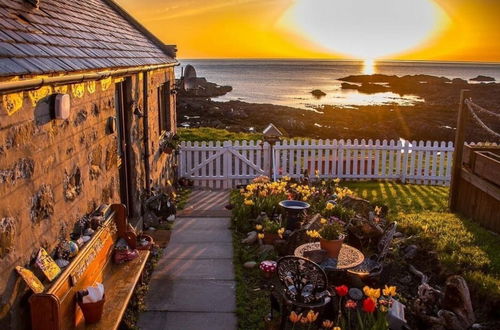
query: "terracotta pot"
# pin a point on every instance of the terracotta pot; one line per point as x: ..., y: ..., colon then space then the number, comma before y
x: 270, y: 238
x: 332, y: 247
x: 92, y: 312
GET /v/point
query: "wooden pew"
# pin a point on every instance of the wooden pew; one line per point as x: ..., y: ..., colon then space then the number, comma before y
x: 57, y: 308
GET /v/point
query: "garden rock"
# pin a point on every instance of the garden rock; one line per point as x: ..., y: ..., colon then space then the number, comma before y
x: 359, y: 205
x: 251, y: 238
x: 410, y: 251
x: 250, y: 264
x: 398, y: 234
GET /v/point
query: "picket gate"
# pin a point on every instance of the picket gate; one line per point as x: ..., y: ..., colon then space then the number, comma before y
x: 217, y: 164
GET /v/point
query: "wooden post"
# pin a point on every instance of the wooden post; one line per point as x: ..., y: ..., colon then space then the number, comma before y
x: 459, y: 148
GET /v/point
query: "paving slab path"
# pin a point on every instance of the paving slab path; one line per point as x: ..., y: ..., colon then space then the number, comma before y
x: 193, y: 286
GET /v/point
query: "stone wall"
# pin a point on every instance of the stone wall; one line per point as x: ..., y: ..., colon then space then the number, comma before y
x: 52, y: 172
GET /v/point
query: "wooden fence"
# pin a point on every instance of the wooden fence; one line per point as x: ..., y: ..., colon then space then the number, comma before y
x: 218, y: 164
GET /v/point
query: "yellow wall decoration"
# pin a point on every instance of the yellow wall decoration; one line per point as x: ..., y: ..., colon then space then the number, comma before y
x: 38, y: 94
x: 105, y: 83
x: 61, y: 89
x: 78, y: 90
x: 118, y: 80
x: 12, y: 102
x: 91, y: 87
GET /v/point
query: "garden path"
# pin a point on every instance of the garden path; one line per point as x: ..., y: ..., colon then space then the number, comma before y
x: 193, y: 286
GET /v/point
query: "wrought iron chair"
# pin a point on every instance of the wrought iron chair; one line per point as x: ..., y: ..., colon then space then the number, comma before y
x: 303, y: 285
x: 373, y: 266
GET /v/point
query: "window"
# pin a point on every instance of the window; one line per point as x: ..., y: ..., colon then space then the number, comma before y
x: 164, y: 107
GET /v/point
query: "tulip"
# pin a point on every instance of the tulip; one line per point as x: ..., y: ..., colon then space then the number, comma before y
x: 260, y: 235
x: 351, y: 304
x: 369, y: 305
x: 311, y: 316
x: 327, y: 324
x: 389, y: 291
x: 342, y: 290
x: 294, y: 317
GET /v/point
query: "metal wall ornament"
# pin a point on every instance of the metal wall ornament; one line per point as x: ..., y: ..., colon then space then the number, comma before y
x: 78, y: 90
x: 91, y: 87
x: 12, y: 102
x: 61, y: 89
x: 106, y: 83
x: 38, y: 94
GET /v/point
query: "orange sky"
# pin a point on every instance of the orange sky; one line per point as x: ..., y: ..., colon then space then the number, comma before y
x: 462, y: 30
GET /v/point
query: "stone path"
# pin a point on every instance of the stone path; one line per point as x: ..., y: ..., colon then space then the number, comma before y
x: 193, y: 286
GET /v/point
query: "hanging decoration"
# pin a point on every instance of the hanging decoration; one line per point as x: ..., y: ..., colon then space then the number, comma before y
x: 78, y: 90
x: 106, y: 83
x: 38, y: 94
x: 12, y: 102
x: 61, y: 89
x: 91, y: 86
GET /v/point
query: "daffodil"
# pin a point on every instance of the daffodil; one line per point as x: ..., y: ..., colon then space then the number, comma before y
x: 323, y: 221
x: 337, y: 328
x: 329, y: 206
x: 372, y: 293
x: 258, y: 227
x: 336, y: 180
x: 313, y: 233
x: 260, y: 235
x: 389, y: 291
x: 248, y: 202
x: 280, y: 232
x: 378, y: 209
x: 294, y: 317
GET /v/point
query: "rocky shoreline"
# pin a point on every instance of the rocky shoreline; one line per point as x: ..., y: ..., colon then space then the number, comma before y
x: 434, y: 119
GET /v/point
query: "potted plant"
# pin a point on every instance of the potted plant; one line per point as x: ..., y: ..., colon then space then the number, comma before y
x: 270, y: 231
x: 331, y: 236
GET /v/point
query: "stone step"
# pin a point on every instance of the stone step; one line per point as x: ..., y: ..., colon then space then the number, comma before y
x: 187, y: 321
x: 196, y: 269
x: 208, y: 250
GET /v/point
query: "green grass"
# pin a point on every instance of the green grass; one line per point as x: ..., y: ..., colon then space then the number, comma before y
x: 214, y: 134
x: 461, y: 246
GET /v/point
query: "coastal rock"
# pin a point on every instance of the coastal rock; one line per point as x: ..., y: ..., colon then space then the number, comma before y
x: 369, y: 88
x: 482, y: 78
x: 318, y: 93
x: 349, y: 86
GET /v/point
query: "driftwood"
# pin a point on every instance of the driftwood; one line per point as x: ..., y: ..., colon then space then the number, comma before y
x: 454, y: 307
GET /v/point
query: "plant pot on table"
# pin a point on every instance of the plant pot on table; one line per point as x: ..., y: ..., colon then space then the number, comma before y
x: 332, y: 247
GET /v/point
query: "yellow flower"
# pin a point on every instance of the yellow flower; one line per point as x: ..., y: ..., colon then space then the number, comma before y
x: 242, y: 191
x: 323, y: 182
x: 323, y: 221
x: 313, y: 233
x: 280, y: 232
x: 389, y: 291
x: 311, y: 316
x: 327, y: 324
x: 294, y: 317
x: 337, y: 328
x: 260, y: 235
x: 258, y: 227
x: 383, y: 309
x: 372, y: 293
x: 317, y: 173
x: 329, y: 206
x: 336, y: 180
x: 263, y: 193
x: 248, y: 202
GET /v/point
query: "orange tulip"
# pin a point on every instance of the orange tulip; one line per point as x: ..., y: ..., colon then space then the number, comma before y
x: 294, y: 317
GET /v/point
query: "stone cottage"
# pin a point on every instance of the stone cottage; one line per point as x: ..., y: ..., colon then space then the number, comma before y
x: 85, y: 95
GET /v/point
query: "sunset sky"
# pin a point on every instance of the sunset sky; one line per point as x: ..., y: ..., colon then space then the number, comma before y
x: 451, y: 30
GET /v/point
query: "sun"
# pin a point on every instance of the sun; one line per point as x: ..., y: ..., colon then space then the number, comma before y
x: 366, y: 29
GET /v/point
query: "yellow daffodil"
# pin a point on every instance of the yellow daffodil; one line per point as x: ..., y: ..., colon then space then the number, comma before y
x: 372, y: 293
x: 337, y: 328
x: 383, y: 309
x: 336, y: 180
x: 263, y: 193
x: 327, y: 324
x: 313, y: 233
x: 389, y: 291
x: 378, y: 209
x: 260, y: 235
x: 323, y: 182
x: 258, y: 227
x: 242, y: 191
x: 280, y: 232
x: 311, y: 316
x: 294, y: 317
x: 323, y: 221
x: 248, y: 202
x: 329, y: 206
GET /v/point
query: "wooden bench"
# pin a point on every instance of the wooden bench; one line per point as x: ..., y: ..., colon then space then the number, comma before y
x: 57, y: 308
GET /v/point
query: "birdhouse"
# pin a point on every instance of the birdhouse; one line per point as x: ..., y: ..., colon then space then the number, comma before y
x: 272, y: 134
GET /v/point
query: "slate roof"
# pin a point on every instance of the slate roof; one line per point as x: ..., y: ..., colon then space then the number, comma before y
x: 73, y: 35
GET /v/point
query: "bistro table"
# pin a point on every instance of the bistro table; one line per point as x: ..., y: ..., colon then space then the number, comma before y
x: 349, y: 257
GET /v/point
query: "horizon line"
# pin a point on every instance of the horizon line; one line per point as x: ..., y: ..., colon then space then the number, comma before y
x: 332, y: 60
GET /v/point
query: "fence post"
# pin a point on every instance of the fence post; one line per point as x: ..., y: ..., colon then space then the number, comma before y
x: 459, y: 148
x: 227, y: 164
x: 404, y: 167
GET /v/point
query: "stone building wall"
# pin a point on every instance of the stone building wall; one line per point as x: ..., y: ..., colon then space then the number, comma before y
x: 53, y: 172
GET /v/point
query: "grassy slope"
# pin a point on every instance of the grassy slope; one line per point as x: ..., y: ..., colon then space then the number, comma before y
x: 214, y: 134
x: 462, y: 246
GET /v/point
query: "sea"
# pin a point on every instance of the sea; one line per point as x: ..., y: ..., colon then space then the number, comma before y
x: 290, y: 82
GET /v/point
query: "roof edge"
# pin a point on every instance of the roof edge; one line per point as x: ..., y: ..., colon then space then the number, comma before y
x: 169, y: 50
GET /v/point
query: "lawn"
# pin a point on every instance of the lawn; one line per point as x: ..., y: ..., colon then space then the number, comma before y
x: 214, y: 134
x: 454, y: 244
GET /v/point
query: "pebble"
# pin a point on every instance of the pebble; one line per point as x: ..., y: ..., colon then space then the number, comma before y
x: 152, y: 228
x: 171, y: 218
x: 250, y: 264
x: 251, y: 238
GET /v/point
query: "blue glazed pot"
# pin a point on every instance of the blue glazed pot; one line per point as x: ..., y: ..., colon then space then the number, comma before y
x: 294, y: 210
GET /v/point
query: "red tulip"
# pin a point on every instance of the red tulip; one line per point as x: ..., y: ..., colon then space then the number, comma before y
x: 342, y: 290
x: 369, y: 305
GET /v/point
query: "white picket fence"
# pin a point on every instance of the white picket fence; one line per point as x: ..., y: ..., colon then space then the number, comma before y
x: 217, y: 164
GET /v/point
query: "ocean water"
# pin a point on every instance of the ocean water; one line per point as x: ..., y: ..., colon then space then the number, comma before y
x: 289, y: 82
